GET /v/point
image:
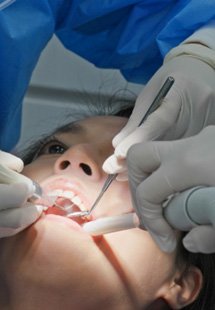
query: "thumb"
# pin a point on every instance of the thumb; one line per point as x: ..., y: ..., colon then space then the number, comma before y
x: 155, y: 126
x: 125, y: 131
x: 20, y: 218
x: 114, y: 165
x: 200, y: 239
x: 11, y: 161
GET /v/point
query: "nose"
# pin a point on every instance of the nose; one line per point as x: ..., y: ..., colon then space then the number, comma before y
x: 81, y: 161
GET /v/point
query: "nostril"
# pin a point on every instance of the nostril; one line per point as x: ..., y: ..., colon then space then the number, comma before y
x: 64, y: 164
x: 86, y: 169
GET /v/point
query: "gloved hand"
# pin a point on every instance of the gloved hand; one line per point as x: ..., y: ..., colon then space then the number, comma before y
x: 158, y: 169
x: 188, y: 107
x: 15, y: 212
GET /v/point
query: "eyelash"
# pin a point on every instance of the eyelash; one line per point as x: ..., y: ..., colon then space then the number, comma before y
x: 47, y: 144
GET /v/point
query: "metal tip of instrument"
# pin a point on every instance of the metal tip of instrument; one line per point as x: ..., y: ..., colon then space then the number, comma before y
x: 78, y: 214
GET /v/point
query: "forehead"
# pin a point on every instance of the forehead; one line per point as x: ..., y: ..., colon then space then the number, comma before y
x: 98, y: 127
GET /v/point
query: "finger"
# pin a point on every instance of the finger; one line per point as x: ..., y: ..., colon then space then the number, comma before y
x: 145, y: 157
x: 114, y: 165
x: 144, y: 99
x: 142, y: 104
x: 151, y: 218
x: 155, y: 126
x: 142, y: 159
x: 13, y: 195
x: 156, y: 164
x: 167, y: 113
x: 11, y: 161
x: 200, y: 239
x: 151, y: 213
x: 19, y: 218
x: 152, y: 129
x: 126, y: 130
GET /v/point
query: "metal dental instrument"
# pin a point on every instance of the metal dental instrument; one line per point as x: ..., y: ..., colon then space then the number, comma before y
x: 155, y: 104
x: 106, y: 185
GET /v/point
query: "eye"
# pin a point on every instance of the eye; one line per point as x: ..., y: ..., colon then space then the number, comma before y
x: 55, y: 149
x: 52, y: 148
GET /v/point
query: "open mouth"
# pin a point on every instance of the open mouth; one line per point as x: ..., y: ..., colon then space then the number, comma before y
x: 65, y: 196
x: 66, y: 202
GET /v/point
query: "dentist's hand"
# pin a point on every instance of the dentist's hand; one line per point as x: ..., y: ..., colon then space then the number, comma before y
x: 15, y: 212
x: 158, y: 169
x: 188, y: 107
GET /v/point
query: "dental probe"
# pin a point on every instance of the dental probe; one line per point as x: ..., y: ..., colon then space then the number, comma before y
x: 106, y: 185
x: 9, y: 176
x: 155, y: 104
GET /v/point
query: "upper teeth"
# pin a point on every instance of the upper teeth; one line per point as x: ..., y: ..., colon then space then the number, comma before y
x: 68, y: 195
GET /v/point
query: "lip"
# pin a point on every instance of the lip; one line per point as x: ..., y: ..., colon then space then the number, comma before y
x: 66, y: 221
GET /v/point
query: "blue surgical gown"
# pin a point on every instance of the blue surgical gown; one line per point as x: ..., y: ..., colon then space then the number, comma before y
x: 130, y: 35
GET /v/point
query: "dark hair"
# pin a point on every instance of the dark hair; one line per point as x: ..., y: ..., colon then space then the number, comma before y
x: 205, y: 262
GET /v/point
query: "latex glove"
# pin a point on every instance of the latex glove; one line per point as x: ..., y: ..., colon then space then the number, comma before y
x: 188, y: 107
x: 15, y: 212
x: 158, y: 169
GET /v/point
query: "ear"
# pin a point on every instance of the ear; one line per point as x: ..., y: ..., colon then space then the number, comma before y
x: 184, y: 289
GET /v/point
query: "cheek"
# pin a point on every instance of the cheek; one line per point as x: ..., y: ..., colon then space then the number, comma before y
x: 146, y: 266
x: 117, y: 200
x: 39, y: 170
x: 52, y: 254
x: 59, y: 261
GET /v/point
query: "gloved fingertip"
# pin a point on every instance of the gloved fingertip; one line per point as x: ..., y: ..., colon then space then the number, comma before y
x: 116, y: 140
x: 39, y: 209
x: 11, y: 161
x: 32, y: 212
x: 111, y: 165
x: 107, y: 166
x: 189, y: 244
x: 18, y: 166
x: 120, y: 152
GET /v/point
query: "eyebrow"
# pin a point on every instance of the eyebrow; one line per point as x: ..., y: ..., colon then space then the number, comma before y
x: 72, y: 128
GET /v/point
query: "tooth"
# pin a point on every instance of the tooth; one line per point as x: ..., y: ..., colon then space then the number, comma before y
x: 69, y: 208
x: 57, y: 192
x: 76, y: 200
x: 82, y: 207
x: 68, y: 194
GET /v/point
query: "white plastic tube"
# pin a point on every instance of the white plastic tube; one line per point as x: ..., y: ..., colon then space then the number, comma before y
x: 107, y: 225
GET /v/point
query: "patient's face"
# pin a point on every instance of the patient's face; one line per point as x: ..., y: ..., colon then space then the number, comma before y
x: 57, y: 265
